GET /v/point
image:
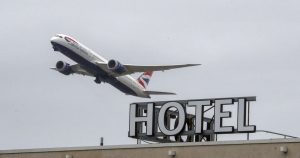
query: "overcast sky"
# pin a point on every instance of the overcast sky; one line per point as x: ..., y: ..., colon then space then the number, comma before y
x: 247, y: 48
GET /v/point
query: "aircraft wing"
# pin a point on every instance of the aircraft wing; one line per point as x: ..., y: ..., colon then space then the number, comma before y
x: 77, y: 69
x: 130, y: 69
x: 159, y: 93
x: 140, y: 68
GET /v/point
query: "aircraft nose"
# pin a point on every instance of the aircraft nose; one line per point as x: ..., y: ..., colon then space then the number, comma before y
x: 53, y: 39
x: 54, y: 42
x: 56, y: 38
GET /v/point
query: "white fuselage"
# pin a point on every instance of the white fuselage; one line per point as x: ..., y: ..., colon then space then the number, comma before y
x: 90, y: 56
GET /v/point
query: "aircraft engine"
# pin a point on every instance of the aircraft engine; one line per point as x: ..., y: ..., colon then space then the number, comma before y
x: 63, y: 67
x: 116, y: 66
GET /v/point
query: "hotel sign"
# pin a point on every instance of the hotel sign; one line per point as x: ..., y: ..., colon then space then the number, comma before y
x: 155, y: 118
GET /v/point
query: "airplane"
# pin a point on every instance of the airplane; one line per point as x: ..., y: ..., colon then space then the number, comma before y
x: 111, y: 71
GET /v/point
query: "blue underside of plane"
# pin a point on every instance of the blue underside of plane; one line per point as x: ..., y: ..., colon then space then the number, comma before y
x: 93, y: 69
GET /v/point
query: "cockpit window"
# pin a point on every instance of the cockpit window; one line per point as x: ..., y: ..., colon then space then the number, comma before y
x: 59, y: 36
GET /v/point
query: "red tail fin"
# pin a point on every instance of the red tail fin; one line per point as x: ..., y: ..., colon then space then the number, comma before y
x: 145, y: 78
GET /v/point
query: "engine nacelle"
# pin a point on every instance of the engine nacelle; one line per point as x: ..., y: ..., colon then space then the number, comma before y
x: 116, y: 66
x: 63, y: 67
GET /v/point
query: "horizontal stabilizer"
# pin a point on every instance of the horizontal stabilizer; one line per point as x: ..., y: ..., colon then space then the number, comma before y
x: 159, y: 93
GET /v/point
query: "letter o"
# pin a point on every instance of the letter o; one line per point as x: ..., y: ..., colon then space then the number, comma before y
x: 181, y: 118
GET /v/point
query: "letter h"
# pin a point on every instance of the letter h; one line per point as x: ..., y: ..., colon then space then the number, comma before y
x: 134, y: 119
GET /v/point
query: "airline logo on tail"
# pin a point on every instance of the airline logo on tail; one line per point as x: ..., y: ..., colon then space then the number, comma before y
x: 145, y: 78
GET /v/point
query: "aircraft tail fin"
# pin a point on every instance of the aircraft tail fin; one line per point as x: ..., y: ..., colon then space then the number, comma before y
x: 145, y: 78
x: 159, y: 93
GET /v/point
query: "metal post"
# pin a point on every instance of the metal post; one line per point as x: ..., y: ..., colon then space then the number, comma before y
x: 138, y: 141
x: 101, y: 141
